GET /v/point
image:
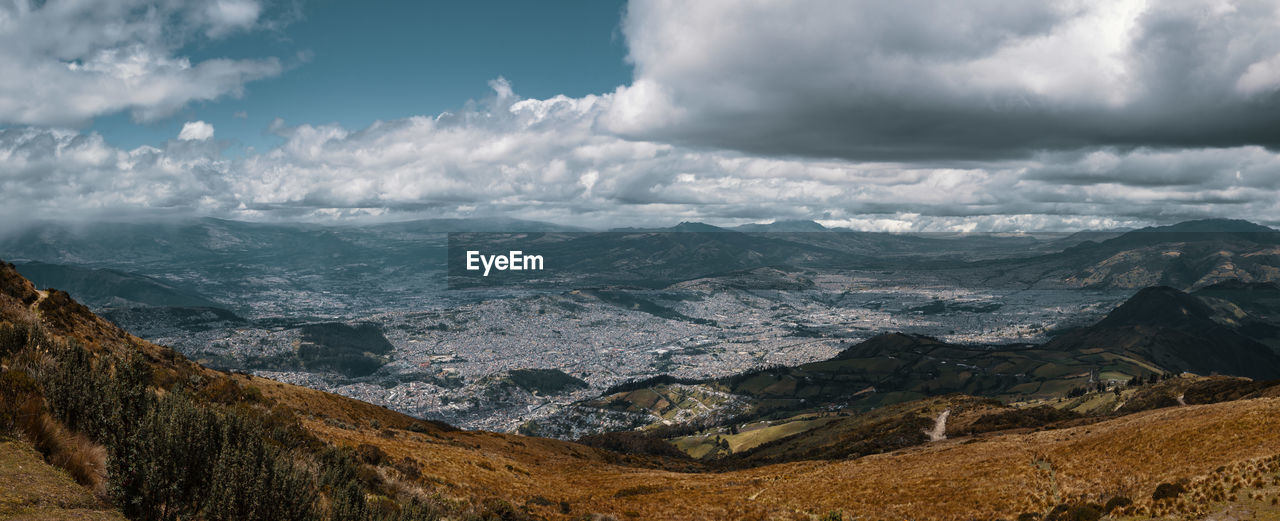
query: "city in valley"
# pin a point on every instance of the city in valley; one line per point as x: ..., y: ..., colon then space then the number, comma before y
x: 449, y: 361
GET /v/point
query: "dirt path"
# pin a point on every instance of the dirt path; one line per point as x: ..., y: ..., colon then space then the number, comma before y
x: 43, y: 295
x: 939, y: 430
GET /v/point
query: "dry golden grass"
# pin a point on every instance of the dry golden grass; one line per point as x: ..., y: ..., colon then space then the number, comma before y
x: 31, y: 489
x: 984, y: 478
x: 83, y: 460
x: 1247, y: 489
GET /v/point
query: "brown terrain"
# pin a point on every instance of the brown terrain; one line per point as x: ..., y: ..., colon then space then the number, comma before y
x: 1223, y: 458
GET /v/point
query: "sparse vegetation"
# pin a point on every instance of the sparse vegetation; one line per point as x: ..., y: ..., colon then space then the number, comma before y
x: 1029, y: 417
x: 204, y: 448
x: 545, y: 381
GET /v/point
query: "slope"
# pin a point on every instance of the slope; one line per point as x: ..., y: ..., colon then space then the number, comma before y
x: 1177, y: 332
x: 33, y: 489
x: 513, y: 477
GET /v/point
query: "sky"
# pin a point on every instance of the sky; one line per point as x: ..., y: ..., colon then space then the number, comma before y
x: 920, y: 115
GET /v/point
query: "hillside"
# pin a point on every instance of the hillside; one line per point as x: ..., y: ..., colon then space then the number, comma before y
x: 1177, y: 332
x: 880, y: 394
x: 1157, y: 330
x: 404, y: 467
x: 1186, y: 256
x: 111, y: 288
x: 33, y: 489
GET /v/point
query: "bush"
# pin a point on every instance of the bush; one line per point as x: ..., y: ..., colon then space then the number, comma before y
x: 105, y: 401
x: 1088, y: 512
x: 16, y: 388
x: 633, y: 443
x: 1067, y: 512
x: 1167, y: 491
x: 408, y: 468
x: 370, y: 454
x: 70, y: 451
x: 1116, y: 502
x: 220, y: 454
x: 16, y: 337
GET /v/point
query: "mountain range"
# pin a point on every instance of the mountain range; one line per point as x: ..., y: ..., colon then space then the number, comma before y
x: 226, y: 261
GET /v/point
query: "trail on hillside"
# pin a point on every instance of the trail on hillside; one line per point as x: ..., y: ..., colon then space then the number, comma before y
x: 939, y: 430
x: 1181, y: 401
x: 42, y: 295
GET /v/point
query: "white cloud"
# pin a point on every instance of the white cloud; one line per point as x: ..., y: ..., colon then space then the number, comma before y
x: 52, y: 173
x: 224, y: 16
x: 65, y: 63
x: 1261, y: 77
x: 196, y: 131
x: 548, y: 159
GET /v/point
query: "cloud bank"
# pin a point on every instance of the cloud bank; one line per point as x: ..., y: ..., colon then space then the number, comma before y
x: 547, y: 159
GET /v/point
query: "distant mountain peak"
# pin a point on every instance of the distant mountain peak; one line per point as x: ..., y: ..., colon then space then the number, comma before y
x: 1158, y: 305
x: 786, y: 225
x: 1196, y: 231
x: 1209, y: 226
x: 687, y: 226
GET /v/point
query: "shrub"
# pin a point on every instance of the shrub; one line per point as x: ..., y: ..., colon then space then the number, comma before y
x: 349, y: 503
x: 408, y: 468
x: 1057, y: 512
x: 221, y: 454
x: 1087, y: 512
x: 370, y: 454
x: 16, y: 387
x: 70, y: 451
x: 1167, y: 491
x: 16, y: 337
x: 1116, y: 502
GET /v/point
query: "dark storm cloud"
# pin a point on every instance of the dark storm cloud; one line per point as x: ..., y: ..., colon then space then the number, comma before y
x: 906, y: 81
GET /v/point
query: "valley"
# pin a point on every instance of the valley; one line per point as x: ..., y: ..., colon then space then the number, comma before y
x: 772, y: 392
x: 240, y: 296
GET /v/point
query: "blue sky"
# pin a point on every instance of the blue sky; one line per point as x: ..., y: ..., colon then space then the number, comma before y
x: 352, y: 63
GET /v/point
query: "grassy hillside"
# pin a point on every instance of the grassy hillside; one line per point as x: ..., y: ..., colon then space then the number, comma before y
x: 32, y: 489
x: 338, y: 458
